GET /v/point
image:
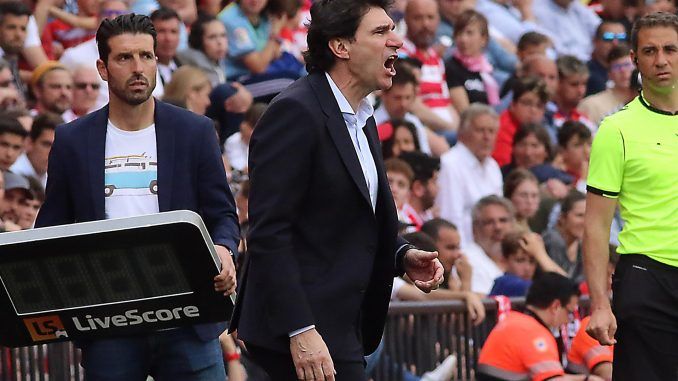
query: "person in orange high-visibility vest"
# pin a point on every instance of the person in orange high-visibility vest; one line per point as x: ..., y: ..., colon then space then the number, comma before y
x: 521, y: 346
x: 587, y: 356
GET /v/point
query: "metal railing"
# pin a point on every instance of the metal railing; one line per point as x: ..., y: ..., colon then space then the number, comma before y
x: 417, y: 338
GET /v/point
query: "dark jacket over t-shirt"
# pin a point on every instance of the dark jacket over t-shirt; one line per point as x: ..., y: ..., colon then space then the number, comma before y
x: 457, y: 75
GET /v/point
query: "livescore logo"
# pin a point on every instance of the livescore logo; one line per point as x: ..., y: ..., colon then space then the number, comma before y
x: 45, y: 328
x: 134, y: 317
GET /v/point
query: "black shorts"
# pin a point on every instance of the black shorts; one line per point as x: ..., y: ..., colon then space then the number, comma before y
x: 645, y: 303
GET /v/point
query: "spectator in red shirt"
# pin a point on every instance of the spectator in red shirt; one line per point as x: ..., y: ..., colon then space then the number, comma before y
x: 64, y: 32
x: 530, y: 96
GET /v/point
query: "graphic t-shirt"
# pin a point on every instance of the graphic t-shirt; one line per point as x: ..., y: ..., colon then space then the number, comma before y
x: 131, y: 172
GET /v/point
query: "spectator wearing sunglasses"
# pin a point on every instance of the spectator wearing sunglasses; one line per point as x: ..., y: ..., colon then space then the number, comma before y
x: 608, y: 35
x: 86, y: 88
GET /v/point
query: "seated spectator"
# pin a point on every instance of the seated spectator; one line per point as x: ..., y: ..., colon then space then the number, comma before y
x: 67, y: 30
x: 564, y: 241
x: 405, y: 291
x: 467, y: 171
x: 527, y: 107
x: 572, y: 77
x: 236, y: 148
x: 613, y: 259
x: 33, y: 162
x: 530, y: 44
x: 523, y: 252
x: 574, y: 148
x: 400, y: 177
x: 86, y: 88
x: 448, y: 244
x: 12, y: 138
x: 52, y: 86
x: 539, y: 66
x: 522, y: 189
x: 397, y: 102
x: 570, y: 23
x: 587, y: 356
x: 532, y: 150
x: 424, y: 187
x: 189, y: 88
x: 469, y: 74
x: 398, y: 136
x: 433, y: 105
x: 608, y: 35
x: 15, y: 19
x: 535, y: 356
x: 10, y: 97
x: 207, y: 49
x: 493, y: 218
x: 624, y: 87
x: 293, y: 32
x: 30, y: 207
x: 17, y: 192
x: 167, y: 26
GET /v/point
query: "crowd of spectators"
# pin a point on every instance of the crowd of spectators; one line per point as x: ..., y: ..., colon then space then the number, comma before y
x: 486, y: 130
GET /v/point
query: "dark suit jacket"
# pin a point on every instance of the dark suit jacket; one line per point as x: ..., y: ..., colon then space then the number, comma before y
x: 318, y: 253
x: 191, y: 176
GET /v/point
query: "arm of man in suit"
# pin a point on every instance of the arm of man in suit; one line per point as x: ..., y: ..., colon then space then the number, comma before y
x: 57, y: 208
x: 218, y: 208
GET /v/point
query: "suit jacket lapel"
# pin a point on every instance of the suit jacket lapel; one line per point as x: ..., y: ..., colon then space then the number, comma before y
x: 164, y: 135
x: 339, y: 132
x: 96, y: 143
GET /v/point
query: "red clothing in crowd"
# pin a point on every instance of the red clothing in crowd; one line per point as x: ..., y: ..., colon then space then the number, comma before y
x: 503, y: 147
x: 66, y: 35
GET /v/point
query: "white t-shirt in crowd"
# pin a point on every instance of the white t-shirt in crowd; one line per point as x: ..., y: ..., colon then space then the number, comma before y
x: 236, y: 151
x: 485, y: 271
x: 130, y: 172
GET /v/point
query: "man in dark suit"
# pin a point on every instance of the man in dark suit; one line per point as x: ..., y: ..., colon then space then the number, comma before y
x: 323, y: 246
x: 177, y: 147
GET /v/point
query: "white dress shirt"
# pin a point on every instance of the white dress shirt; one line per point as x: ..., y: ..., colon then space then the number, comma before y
x: 462, y: 181
x: 355, y: 122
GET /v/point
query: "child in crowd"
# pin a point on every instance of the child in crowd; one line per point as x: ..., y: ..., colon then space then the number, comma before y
x: 400, y: 176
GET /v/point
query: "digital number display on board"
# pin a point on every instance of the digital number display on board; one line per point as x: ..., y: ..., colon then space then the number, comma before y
x: 108, y: 278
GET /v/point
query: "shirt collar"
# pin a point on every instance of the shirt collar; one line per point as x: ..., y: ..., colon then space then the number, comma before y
x: 365, y: 109
x: 647, y: 105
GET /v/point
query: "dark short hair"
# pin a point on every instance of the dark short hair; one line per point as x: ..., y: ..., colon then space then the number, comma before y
x: 432, y: 227
x: 334, y: 19
x: 198, y: 31
x: 421, y: 240
x: 127, y: 23
x: 387, y: 145
x: 530, y: 84
x: 14, y: 8
x: 36, y: 189
x: 12, y: 126
x: 570, y: 65
x: 617, y: 52
x: 539, y: 132
x: 515, y: 178
x: 423, y: 165
x: 403, y: 76
x: 532, y: 38
x: 570, y: 129
x: 284, y: 7
x: 568, y: 202
x: 42, y: 122
x: 469, y: 17
x: 550, y: 286
x: 164, y: 14
x: 652, y: 20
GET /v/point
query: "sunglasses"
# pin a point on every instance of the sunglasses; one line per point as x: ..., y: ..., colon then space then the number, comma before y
x: 621, y: 66
x: 83, y: 85
x: 112, y: 13
x: 611, y: 36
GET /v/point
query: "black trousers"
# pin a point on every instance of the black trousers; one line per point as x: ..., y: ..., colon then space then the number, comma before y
x: 645, y: 303
x: 280, y: 367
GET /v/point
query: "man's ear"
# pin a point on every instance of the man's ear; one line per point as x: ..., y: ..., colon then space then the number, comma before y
x: 102, y: 69
x: 339, y: 47
x: 634, y: 57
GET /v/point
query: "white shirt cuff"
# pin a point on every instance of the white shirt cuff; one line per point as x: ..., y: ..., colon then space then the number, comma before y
x: 302, y: 330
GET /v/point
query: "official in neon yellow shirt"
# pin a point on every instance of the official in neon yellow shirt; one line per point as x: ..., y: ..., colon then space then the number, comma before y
x: 634, y: 161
